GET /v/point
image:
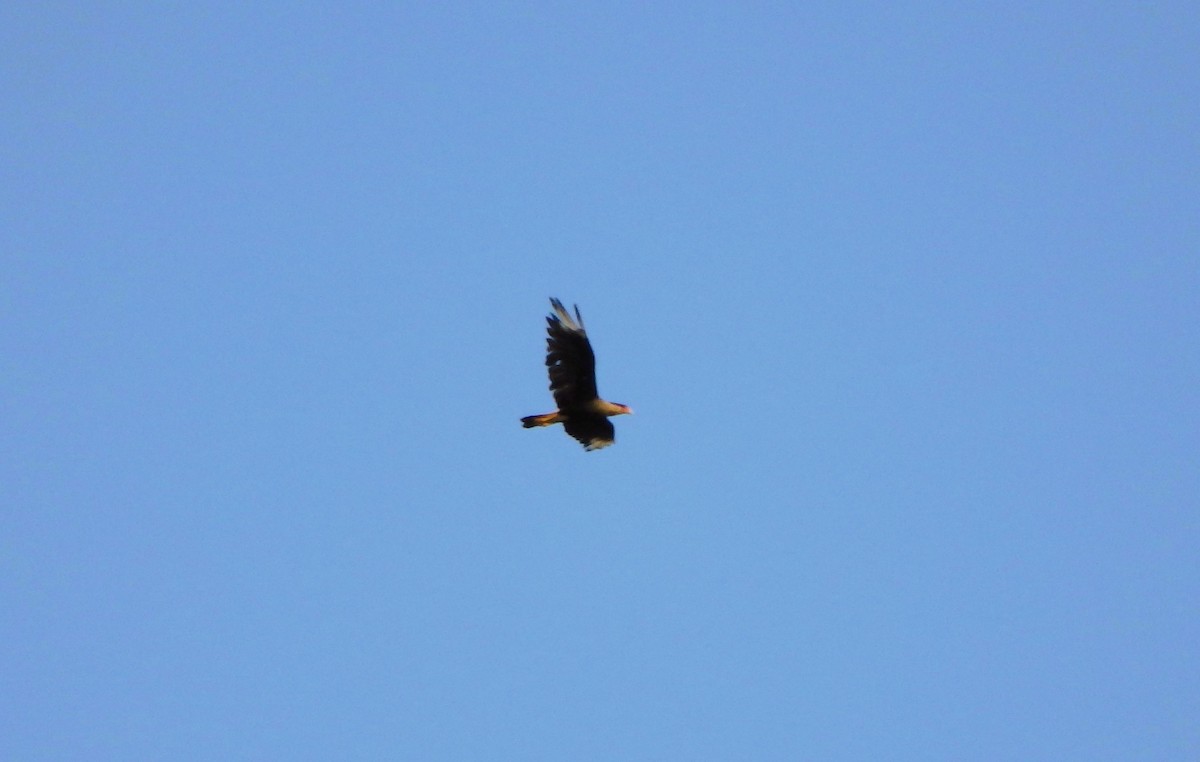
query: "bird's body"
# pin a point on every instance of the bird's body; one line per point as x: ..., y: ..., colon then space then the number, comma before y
x: 572, y: 367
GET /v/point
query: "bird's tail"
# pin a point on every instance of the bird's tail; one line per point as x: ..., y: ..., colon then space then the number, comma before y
x: 545, y: 419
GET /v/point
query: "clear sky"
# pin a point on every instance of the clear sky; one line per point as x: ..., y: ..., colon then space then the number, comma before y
x: 905, y: 298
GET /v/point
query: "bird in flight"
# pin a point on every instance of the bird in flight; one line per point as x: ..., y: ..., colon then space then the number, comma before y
x: 572, y: 366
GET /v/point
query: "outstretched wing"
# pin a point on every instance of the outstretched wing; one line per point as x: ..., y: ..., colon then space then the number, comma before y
x: 592, y: 431
x: 570, y: 360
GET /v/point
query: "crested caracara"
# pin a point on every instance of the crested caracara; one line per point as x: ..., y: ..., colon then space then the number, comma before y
x: 572, y: 366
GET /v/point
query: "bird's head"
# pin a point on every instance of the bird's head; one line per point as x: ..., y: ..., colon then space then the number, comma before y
x: 622, y: 409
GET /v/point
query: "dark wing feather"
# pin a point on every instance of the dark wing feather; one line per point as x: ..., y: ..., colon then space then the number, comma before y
x: 593, y: 431
x: 570, y: 360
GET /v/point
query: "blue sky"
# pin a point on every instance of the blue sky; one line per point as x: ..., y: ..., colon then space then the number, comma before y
x: 905, y: 298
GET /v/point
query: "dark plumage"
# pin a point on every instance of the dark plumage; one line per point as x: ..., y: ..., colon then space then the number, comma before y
x: 572, y: 367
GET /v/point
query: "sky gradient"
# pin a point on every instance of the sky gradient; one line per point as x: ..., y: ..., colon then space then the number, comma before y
x: 905, y: 299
